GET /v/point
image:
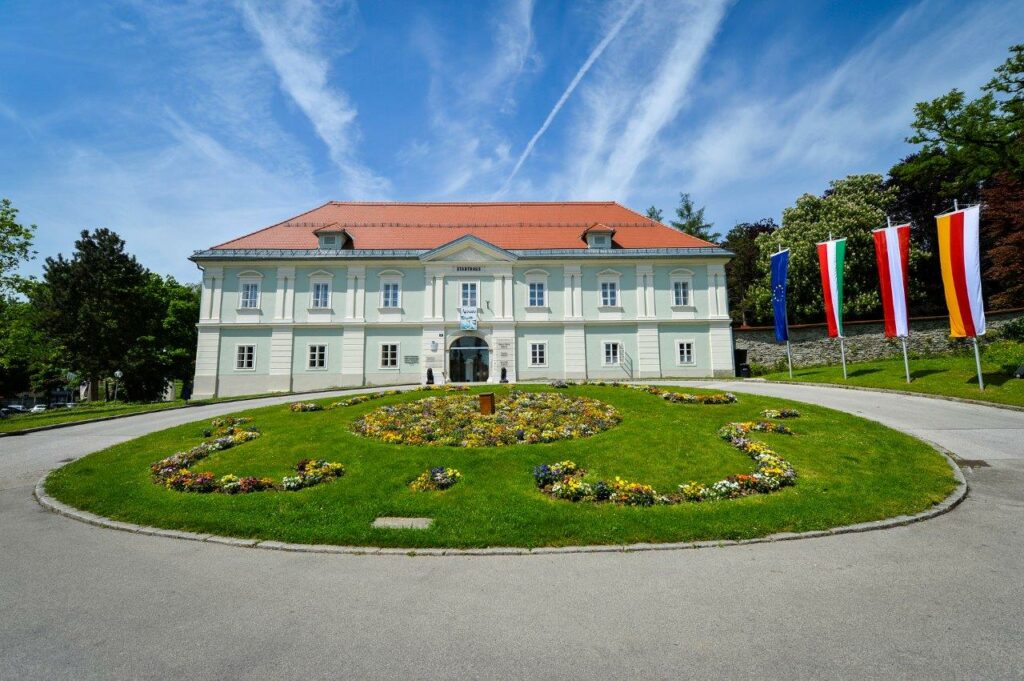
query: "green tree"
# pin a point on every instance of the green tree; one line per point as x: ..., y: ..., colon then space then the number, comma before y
x: 655, y: 214
x: 850, y: 208
x: 690, y: 219
x: 984, y: 135
x: 97, y: 306
x: 15, y: 245
x: 744, y: 270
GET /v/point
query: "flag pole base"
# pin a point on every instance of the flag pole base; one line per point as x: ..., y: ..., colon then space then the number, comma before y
x: 906, y: 362
x: 977, y: 363
x: 789, y: 358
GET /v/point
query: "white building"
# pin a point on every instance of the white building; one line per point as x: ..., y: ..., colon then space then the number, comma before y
x: 386, y: 293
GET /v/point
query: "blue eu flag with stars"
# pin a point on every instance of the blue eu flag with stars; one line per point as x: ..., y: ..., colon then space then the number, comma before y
x: 780, y: 268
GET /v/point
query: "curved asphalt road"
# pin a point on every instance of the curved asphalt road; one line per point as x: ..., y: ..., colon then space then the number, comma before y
x: 933, y: 600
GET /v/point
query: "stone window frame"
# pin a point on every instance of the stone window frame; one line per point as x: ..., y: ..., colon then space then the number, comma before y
x: 618, y: 353
x: 310, y: 358
x: 684, y: 276
x: 544, y: 353
x: 250, y: 278
x: 693, y: 352
x: 476, y: 284
x: 321, y: 277
x: 541, y: 277
x: 250, y: 357
x: 380, y: 355
x: 390, y: 277
x: 609, y: 277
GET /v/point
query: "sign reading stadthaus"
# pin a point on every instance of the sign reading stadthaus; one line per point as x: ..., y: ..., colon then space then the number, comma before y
x: 467, y: 318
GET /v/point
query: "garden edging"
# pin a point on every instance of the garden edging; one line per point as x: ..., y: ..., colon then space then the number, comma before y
x: 946, y: 505
x: 891, y: 391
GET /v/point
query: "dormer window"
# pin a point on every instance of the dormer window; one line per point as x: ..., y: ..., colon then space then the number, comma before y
x: 329, y: 242
x: 599, y: 236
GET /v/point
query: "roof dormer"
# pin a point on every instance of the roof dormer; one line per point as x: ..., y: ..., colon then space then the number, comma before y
x: 599, y: 235
x: 332, y: 238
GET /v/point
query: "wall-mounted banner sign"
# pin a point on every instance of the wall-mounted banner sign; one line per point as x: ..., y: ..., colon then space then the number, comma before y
x: 467, y: 318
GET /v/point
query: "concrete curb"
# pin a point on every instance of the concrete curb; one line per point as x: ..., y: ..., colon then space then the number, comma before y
x: 945, y: 506
x: 890, y: 391
x: 100, y: 419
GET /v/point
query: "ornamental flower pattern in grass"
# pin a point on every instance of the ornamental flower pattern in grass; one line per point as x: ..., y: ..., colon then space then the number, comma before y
x: 780, y: 414
x: 173, y: 472
x: 519, y: 418
x: 565, y: 480
x: 435, y: 480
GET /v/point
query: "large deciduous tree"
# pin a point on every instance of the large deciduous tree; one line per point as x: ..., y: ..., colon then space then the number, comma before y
x: 15, y: 245
x: 744, y: 270
x: 850, y: 208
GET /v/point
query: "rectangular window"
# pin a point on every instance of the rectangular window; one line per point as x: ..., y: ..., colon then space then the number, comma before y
x: 389, y: 295
x: 538, y: 354
x: 389, y: 356
x: 611, y: 353
x: 245, y: 357
x: 317, y: 356
x: 250, y: 295
x: 321, y: 294
x: 680, y: 293
x: 609, y: 294
x: 685, y: 352
x: 537, y: 294
x: 469, y: 298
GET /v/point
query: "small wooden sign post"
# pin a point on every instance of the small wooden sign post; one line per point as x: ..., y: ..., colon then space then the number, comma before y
x: 486, y: 403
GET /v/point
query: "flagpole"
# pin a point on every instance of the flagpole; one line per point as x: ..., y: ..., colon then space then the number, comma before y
x: 789, y: 354
x: 842, y: 350
x: 977, y: 362
x: 906, y: 363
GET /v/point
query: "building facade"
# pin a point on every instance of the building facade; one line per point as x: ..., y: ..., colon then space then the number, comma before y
x: 389, y: 293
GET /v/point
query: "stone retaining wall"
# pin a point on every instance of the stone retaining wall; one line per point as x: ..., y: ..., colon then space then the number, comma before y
x: 864, y: 341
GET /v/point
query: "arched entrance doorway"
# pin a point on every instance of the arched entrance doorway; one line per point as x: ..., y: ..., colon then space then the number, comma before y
x: 469, y: 360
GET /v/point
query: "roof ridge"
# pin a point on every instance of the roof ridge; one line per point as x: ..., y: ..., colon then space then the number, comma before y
x: 472, y: 203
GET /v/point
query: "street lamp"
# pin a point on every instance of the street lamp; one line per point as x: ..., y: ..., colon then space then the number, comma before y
x: 118, y: 375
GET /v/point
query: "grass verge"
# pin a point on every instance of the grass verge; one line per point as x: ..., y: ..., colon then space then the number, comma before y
x: 948, y: 375
x: 850, y: 470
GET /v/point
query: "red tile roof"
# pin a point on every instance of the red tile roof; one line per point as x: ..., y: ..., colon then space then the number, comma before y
x: 514, y: 226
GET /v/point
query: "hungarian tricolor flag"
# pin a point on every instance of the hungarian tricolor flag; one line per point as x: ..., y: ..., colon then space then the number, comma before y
x: 892, y: 250
x: 961, y: 271
x: 830, y: 259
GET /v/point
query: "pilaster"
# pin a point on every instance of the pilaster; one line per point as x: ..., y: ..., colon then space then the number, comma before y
x: 213, y: 287
x: 645, y: 292
x: 575, y: 340
x: 353, y: 346
x: 648, y: 350
x: 503, y: 349
x: 573, y: 293
x: 207, y: 362
x: 284, y: 301
x: 280, y: 366
x: 355, y: 300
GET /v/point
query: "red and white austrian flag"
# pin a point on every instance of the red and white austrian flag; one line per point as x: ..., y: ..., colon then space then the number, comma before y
x: 892, y: 250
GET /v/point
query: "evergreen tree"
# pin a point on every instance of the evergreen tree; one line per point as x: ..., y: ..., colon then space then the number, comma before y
x: 691, y: 220
x: 655, y: 214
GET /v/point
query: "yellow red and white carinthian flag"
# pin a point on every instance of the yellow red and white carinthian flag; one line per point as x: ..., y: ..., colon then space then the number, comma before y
x: 961, y: 271
x: 892, y: 250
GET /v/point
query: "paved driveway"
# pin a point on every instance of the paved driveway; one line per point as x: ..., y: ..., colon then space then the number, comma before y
x: 938, y: 599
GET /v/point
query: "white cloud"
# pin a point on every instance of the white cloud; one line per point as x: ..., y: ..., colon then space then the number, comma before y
x: 293, y: 40
x: 594, y: 55
x: 632, y: 99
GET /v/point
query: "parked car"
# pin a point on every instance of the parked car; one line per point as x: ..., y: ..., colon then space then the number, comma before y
x: 16, y: 409
x: 38, y: 409
x: 62, y: 405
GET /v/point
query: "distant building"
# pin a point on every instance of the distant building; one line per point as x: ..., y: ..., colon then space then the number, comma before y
x: 384, y: 293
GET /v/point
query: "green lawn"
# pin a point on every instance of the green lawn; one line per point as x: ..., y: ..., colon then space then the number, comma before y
x: 950, y: 375
x: 850, y: 470
x: 94, y: 410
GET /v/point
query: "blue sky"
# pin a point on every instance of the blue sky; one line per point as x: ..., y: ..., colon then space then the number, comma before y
x: 180, y: 125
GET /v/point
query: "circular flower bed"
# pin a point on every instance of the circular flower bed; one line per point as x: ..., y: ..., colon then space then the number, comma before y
x: 456, y: 421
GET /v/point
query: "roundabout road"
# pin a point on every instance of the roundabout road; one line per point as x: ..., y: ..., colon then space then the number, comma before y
x: 938, y: 599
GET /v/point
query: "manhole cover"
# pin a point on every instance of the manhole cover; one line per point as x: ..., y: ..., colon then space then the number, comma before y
x: 66, y: 460
x: 973, y: 463
x: 391, y: 523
